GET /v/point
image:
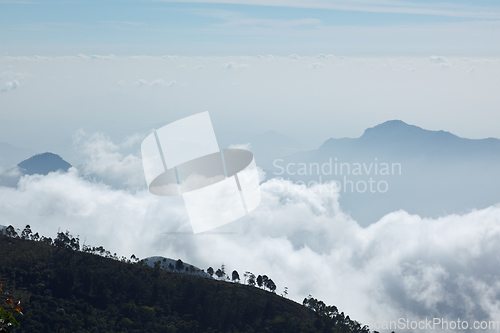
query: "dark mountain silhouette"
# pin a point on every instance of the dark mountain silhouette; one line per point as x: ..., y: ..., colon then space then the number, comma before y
x: 430, y: 173
x: 395, y: 137
x: 43, y: 164
x: 64, y: 290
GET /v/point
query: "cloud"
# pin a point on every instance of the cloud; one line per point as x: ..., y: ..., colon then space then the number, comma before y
x: 106, y: 161
x: 402, y: 266
x: 246, y: 146
x: 11, y: 85
x: 325, y: 56
x: 101, y: 57
x: 438, y: 60
x: 377, y: 6
x: 316, y: 65
x: 157, y: 82
x: 232, y: 65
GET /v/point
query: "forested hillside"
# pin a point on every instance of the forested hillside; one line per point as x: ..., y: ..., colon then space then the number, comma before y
x: 63, y: 289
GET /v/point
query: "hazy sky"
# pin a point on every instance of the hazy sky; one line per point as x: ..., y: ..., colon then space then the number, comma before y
x: 308, y: 69
x: 89, y: 80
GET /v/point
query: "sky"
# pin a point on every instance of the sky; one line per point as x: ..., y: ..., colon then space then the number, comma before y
x: 89, y: 80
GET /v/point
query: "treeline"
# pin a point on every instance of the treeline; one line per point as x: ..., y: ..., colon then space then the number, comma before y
x: 64, y: 288
x: 65, y: 240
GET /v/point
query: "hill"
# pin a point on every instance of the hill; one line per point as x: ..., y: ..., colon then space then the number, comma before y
x: 43, y: 164
x: 40, y: 164
x: 65, y: 290
x: 395, y: 166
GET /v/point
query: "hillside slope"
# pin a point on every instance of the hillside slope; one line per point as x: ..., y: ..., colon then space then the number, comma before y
x: 64, y: 290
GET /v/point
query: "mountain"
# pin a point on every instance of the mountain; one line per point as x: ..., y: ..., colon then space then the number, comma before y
x: 395, y: 166
x: 41, y: 164
x: 10, y: 155
x: 65, y: 290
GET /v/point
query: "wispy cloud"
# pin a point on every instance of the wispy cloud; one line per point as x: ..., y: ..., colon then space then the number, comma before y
x: 233, y: 65
x: 9, y: 86
x: 157, y: 82
x: 377, y: 6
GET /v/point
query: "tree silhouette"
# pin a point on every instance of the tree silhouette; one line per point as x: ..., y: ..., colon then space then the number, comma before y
x: 179, y: 265
x: 264, y: 281
x: 270, y: 285
x: 26, y: 233
x: 251, y: 279
x: 210, y: 271
x: 11, y: 232
x: 259, y: 281
x: 65, y: 240
x: 219, y: 274
x: 223, y: 270
x: 235, y: 276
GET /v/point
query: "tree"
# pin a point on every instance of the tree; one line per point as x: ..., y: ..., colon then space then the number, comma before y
x: 270, y: 285
x: 285, y: 292
x: 235, y: 276
x: 219, y: 274
x: 171, y: 267
x: 67, y: 241
x: 246, y: 275
x: 223, y: 269
x: 264, y: 281
x: 251, y: 279
x: 26, y: 233
x: 210, y: 271
x: 259, y: 281
x: 179, y: 265
x: 11, y: 232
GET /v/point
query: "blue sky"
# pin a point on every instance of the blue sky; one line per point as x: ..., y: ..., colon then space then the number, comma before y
x: 249, y: 27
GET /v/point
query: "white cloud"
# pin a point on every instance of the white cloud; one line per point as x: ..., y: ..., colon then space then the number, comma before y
x: 102, y: 57
x: 316, y: 65
x: 157, y: 82
x: 105, y: 161
x: 9, y: 86
x: 246, y: 146
x: 401, y: 266
x: 233, y: 65
x: 325, y: 56
x: 438, y: 59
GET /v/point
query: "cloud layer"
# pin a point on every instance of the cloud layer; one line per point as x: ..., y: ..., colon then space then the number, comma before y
x: 402, y: 266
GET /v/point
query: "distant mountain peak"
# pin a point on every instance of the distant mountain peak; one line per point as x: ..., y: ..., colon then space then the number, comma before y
x: 392, y: 127
x: 394, y: 130
x: 43, y: 164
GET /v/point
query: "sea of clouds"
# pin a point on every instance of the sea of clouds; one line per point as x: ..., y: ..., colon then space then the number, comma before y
x: 402, y: 266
